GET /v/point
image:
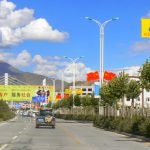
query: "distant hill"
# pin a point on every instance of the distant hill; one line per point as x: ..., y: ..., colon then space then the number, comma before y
x: 29, y: 78
x: 32, y: 78
x: 6, y: 68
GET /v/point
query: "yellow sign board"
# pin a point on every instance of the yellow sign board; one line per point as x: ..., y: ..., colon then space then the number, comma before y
x: 77, y: 91
x: 24, y: 92
x: 145, y: 27
x: 68, y: 91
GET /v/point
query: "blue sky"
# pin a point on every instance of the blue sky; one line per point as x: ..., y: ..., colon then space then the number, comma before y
x: 124, y: 46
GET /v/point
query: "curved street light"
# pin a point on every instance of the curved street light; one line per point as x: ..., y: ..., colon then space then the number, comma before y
x: 101, y: 27
x: 73, y: 62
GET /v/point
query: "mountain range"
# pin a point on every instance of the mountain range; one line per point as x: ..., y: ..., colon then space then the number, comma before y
x: 32, y: 78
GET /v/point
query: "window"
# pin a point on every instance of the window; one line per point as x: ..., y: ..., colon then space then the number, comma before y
x: 83, y: 93
x: 138, y: 99
x: 148, y: 99
x: 84, y: 89
x: 128, y: 99
x: 90, y: 89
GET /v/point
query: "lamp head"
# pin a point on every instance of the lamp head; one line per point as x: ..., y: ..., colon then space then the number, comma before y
x: 88, y: 18
x: 117, y: 18
x: 81, y: 57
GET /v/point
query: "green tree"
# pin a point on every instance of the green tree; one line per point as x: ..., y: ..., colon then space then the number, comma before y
x: 114, y: 90
x: 86, y: 101
x: 77, y: 100
x: 107, y: 98
x: 94, y: 101
x: 145, y: 75
x: 67, y: 103
x: 133, y: 90
x: 118, y: 85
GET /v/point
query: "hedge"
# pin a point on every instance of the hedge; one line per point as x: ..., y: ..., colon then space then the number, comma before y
x: 75, y: 117
x: 5, y: 112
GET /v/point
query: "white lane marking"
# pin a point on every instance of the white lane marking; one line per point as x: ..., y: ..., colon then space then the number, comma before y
x: 3, y: 147
x: 15, y: 137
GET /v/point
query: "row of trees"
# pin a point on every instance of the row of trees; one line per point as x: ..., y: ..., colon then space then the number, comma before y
x: 122, y: 86
x: 78, y: 101
x: 111, y: 92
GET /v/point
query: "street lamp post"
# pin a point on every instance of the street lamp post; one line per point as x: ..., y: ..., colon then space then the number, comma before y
x: 73, y: 62
x: 101, y: 27
x: 62, y: 85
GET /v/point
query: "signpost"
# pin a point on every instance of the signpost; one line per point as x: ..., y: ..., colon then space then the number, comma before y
x: 145, y: 27
x: 96, y: 90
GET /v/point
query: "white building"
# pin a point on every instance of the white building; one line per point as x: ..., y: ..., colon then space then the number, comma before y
x: 86, y: 90
x: 142, y: 100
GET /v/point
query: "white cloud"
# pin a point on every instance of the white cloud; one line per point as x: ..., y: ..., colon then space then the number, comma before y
x: 141, y: 46
x: 132, y: 70
x: 55, y: 66
x: 19, y: 25
x: 39, y: 59
x: 40, y: 30
x: 23, y: 59
x: 81, y: 71
x: 48, y: 66
x: 4, y: 56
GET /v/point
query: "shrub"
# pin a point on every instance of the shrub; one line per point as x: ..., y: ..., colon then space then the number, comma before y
x: 145, y: 128
x: 5, y: 112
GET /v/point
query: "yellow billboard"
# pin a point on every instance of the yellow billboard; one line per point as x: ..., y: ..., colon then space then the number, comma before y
x: 145, y: 27
x: 77, y: 91
x: 25, y: 92
x: 68, y: 91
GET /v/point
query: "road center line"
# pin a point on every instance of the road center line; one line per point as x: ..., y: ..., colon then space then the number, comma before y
x: 3, y: 147
x: 71, y: 135
x: 15, y: 137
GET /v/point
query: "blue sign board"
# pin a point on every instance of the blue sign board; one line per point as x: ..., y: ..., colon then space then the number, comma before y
x: 96, y: 90
x: 38, y: 99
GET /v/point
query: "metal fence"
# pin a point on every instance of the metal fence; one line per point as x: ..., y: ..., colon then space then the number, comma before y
x: 108, y: 111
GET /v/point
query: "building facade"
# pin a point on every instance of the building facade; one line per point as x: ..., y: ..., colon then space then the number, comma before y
x: 86, y: 90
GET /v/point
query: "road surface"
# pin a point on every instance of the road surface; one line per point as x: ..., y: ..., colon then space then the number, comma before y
x: 21, y: 134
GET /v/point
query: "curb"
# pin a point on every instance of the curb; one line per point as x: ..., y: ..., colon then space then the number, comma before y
x: 134, y: 136
x: 126, y: 134
x: 10, y: 120
x: 13, y: 119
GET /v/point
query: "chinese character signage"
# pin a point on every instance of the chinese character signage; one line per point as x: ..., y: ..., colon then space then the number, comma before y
x: 68, y: 91
x: 25, y: 92
x: 145, y: 27
x: 79, y: 91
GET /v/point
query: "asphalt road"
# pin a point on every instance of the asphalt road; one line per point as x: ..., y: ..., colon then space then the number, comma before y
x: 21, y: 134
